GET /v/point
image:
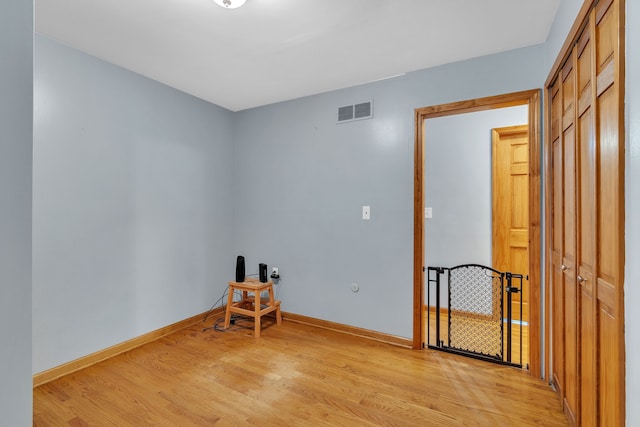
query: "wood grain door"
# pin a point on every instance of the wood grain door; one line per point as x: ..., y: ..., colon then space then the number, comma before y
x: 557, y: 291
x: 586, y: 156
x: 609, y: 212
x: 568, y: 266
x: 510, y: 184
x: 586, y: 253
x: 564, y: 286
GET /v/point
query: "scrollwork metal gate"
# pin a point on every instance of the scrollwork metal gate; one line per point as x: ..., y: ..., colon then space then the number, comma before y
x: 479, y: 320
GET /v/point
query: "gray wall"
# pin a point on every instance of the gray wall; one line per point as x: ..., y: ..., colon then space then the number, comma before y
x: 458, y: 174
x: 302, y: 179
x: 565, y: 16
x: 132, y: 204
x: 632, y: 200
x: 16, y: 105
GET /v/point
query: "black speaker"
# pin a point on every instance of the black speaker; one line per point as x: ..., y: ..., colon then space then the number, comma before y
x: 263, y: 272
x: 240, y: 269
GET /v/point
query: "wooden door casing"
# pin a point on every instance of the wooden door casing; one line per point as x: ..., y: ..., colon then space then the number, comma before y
x: 532, y: 99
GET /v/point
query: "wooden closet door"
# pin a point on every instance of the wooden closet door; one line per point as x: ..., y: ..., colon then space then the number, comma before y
x: 557, y: 291
x: 586, y: 172
x: 568, y: 266
x: 587, y: 221
x: 609, y: 214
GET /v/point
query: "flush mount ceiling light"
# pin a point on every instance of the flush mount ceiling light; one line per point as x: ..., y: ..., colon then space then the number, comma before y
x: 230, y: 4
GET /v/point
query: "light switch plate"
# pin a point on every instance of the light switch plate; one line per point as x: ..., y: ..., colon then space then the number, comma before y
x: 366, y: 212
x: 428, y: 213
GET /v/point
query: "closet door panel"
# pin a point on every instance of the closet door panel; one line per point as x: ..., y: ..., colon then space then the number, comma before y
x: 568, y: 267
x: 557, y: 291
x: 586, y: 225
x: 609, y: 208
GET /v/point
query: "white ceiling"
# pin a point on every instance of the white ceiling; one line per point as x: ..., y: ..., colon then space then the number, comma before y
x: 273, y: 50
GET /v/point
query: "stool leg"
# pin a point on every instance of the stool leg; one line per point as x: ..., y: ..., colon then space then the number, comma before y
x: 245, y: 299
x: 227, y: 316
x: 278, y: 315
x: 272, y: 302
x: 256, y: 303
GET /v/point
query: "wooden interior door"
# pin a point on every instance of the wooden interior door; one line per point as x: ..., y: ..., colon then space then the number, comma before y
x: 564, y: 297
x: 510, y: 183
x: 610, y: 211
x: 568, y: 266
x: 586, y: 156
x: 557, y: 291
x: 586, y: 254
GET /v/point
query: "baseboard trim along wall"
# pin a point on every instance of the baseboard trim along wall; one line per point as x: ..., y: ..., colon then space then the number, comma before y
x: 431, y: 309
x: 351, y: 330
x: 91, y: 359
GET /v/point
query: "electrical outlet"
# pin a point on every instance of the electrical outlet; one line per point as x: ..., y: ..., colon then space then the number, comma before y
x: 274, y: 270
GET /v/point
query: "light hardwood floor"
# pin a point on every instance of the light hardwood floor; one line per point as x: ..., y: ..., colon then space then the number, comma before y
x: 293, y: 375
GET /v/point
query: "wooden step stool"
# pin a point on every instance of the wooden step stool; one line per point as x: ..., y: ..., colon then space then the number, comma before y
x: 252, y: 305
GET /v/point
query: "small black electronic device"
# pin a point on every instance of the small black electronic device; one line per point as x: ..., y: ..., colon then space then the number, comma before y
x: 240, y: 269
x: 263, y: 272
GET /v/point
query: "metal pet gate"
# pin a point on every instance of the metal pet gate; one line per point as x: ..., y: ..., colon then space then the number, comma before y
x: 478, y: 316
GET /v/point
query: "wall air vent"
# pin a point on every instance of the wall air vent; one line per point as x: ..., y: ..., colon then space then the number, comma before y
x: 361, y: 111
x: 345, y: 113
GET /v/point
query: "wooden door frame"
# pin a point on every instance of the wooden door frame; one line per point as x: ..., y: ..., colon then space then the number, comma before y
x: 531, y: 98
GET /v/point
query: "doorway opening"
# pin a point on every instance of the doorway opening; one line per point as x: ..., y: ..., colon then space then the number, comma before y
x: 531, y: 257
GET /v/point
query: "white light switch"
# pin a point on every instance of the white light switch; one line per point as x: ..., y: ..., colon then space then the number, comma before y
x: 366, y: 212
x: 428, y: 213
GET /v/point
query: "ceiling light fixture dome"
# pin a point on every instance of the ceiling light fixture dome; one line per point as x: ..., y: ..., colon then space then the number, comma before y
x: 230, y: 4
